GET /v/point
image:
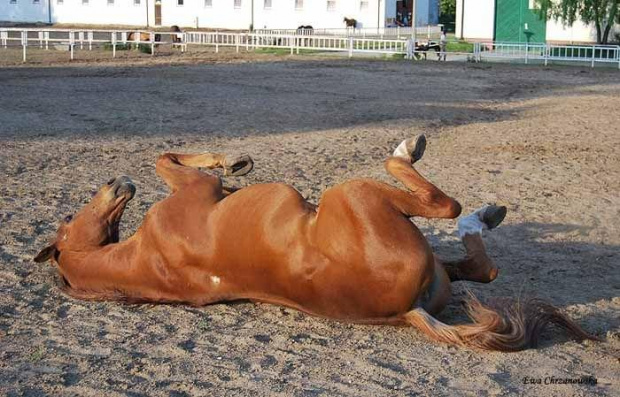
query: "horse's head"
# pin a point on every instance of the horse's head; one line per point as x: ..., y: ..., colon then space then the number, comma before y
x: 96, y: 224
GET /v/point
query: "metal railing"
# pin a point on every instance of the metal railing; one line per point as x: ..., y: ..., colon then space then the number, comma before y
x: 430, y: 32
x: 297, y: 43
x: 546, y: 53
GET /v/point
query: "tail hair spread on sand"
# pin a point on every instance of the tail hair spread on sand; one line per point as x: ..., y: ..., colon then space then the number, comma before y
x: 511, y: 325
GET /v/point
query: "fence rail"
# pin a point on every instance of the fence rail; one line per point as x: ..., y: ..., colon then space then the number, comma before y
x: 430, y: 32
x: 295, y: 42
x: 546, y: 53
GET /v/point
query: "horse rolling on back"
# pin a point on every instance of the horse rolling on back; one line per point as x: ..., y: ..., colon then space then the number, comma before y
x: 355, y: 257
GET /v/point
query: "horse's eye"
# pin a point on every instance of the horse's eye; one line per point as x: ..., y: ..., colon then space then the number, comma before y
x: 68, y: 218
x: 111, y: 181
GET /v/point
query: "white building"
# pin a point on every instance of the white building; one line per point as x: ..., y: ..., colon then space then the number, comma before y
x: 516, y: 21
x: 220, y: 14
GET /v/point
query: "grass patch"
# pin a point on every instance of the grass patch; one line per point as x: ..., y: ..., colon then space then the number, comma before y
x: 145, y: 48
x: 459, y: 46
x: 283, y: 51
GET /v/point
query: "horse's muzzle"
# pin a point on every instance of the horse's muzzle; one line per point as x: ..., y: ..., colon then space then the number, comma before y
x: 123, y: 187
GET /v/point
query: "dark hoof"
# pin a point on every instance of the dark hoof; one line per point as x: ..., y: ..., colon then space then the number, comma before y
x: 493, y: 215
x: 238, y: 165
x: 411, y: 149
x: 418, y: 148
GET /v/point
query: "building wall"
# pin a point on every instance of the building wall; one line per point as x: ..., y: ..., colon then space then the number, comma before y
x: 282, y: 14
x: 578, y: 33
x: 118, y: 12
x: 24, y: 11
x: 100, y: 12
x: 479, y: 24
x: 475, y: 19
x: 517, y: 21
x: 219, y: 14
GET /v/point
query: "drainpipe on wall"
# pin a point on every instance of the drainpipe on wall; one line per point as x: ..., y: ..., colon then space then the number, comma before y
x: 378, y: 14
x: 49, y: 11
x: 252, y: 16
x: 462, y: 17
x: 147, y: 13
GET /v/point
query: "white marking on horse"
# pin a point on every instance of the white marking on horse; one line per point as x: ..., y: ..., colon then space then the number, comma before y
x: 471, y: 224
x: 215, y: 280
x: 401, y: 151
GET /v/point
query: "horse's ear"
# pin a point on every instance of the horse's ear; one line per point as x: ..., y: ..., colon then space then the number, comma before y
x: 46, y: 254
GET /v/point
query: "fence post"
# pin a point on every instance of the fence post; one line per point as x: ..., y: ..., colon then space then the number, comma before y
x: 40, y: 40
x: 47, y: 40
x: 593, y: 55
x: 24, y: 44
x: 81, y: 38
x: 113, y: 39
x: 350, y: 47
x: 237, y: 37
x: 527, y: 52
x: 292, y: 44
x: 298, y: 43
x: 90, y: 40
x: 71, y: 42
x: 152, y: 39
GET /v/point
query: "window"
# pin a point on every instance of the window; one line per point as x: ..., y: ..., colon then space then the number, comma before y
x: 299, y: 4
x: 84, y: 2
x: 36, y: 1
x: 363, y: 5
x: 110, y: 2
x: 13, y: 2
x: 237, y: 3
x: 136, y: 2
x: 208, y: 3
x: 59, y: 2
x: 267, y: 4
x: 331, y: 5
x: 179, y: 2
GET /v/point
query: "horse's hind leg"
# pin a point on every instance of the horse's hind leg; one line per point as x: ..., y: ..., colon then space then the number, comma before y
x: 423, y: 198
x: 477, y: 266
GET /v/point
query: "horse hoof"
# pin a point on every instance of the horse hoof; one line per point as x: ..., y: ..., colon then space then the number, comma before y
x: 238, y: 165
x: 492, y: 215
x: 412, y: 148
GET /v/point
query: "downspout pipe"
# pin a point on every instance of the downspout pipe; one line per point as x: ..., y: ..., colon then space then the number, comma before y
x: 49, y: 11
x: 147, y: 13
x: 252, y: 16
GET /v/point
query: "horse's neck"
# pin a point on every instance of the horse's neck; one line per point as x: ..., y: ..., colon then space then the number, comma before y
x: 105, y: 270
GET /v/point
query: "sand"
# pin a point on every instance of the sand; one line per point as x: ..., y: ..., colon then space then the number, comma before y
x: 542, y: 141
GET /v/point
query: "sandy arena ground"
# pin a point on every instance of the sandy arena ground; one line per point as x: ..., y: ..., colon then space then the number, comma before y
x: 543, y: 141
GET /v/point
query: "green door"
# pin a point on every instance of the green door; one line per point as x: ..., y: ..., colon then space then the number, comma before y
x: 517, y: 21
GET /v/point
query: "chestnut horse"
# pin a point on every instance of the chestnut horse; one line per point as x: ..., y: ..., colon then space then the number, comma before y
x: 355, y: 257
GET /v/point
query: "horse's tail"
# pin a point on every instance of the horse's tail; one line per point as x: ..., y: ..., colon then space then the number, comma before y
x: 510, y: 326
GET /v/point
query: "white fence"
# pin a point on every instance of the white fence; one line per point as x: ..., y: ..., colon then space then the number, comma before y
x: 546, y: 53
x: 70, y: 40
x: 430, y: 32
x: 295, y: 43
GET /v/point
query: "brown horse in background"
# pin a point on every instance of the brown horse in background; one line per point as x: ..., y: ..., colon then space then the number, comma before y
x: 146, y: 36
x: 350, y: 22
x: 355, y: 257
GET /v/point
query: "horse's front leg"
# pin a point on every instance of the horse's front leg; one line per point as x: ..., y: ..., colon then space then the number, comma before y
x: 179, y: 170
